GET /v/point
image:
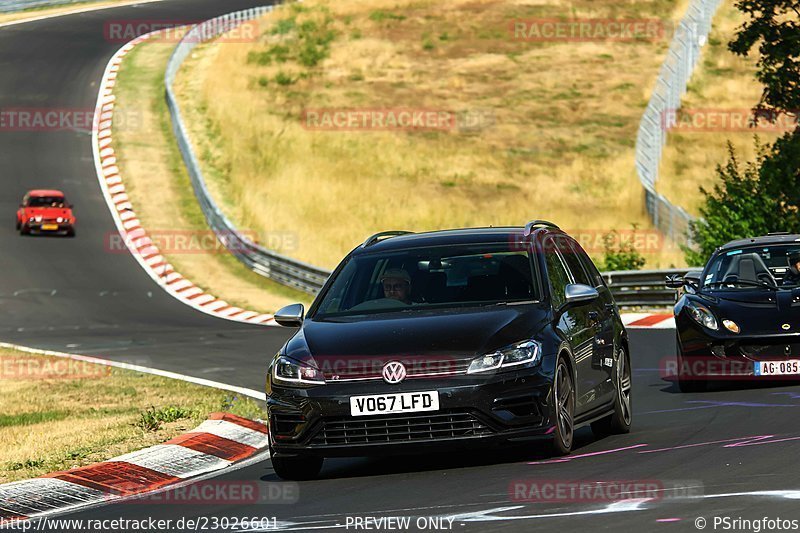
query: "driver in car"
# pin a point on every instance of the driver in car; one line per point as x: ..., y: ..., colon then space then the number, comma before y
x: 397, y: 285
x: 793, y: 274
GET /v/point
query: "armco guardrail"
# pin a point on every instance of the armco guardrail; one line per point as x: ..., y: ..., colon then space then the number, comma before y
x: 274, y: 266
x: 642, y: 288
x: 10, y: 6
x: 630, y: 288
x: 684, y: 51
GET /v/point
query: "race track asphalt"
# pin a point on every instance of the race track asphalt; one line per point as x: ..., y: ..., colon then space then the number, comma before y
x: 731, y: 449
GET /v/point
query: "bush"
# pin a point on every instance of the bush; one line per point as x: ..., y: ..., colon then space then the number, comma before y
x: 760, y: 197
x: 618, y: 255
x: 152, y: 419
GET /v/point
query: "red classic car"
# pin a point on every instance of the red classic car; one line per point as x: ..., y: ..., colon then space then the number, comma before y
x: 45, y: 211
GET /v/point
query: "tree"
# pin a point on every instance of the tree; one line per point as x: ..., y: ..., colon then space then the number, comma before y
x: 759, y: 198
x: 764, y: 195
x: 774, y: 26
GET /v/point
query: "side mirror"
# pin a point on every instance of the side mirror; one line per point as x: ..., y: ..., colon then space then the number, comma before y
x: 674, y: 281
x: 290, y: 316
x: 577, y: 294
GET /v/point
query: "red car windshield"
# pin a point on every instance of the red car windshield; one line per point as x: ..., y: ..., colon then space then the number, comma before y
x: 46, y: 201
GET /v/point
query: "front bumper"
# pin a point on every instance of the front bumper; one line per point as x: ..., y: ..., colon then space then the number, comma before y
x: 49, y: 227
x: 474, y: 411
x: 719, y: 354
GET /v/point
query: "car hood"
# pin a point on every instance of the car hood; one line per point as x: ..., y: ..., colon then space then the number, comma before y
x: 435, y: 335
x: 48, y: 212
x: 759, y: 312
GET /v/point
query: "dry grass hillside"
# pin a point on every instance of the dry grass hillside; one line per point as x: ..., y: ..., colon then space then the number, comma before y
x: 722, y: 91
x: 556, y: 142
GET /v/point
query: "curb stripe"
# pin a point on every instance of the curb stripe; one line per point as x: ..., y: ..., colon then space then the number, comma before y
x: 651, y: 320
x: 117, y: 478
x: 213, y: 445
x: 111, y: 183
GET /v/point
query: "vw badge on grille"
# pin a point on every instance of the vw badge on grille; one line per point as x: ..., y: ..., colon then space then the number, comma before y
x: 786, y: 327
x: 394, y: 372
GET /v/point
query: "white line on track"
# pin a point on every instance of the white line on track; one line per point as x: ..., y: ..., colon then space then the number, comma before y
x: 251, y: 393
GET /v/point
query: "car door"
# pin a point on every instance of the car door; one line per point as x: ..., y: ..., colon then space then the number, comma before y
x: 605, y: 329
x: 573, y: 323
x: 596, y: 317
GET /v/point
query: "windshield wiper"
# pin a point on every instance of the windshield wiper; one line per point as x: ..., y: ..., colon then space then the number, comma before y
x: 743, y: 282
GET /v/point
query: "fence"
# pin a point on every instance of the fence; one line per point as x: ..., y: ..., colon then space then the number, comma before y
x: 10, y: 6
x: 630, y: 288
x: 279, y: 268
x: 684, y: 51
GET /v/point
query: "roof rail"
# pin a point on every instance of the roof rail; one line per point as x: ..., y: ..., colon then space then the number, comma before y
x: 378, y: 236
x: 772, y: 233
x: 535, y: 223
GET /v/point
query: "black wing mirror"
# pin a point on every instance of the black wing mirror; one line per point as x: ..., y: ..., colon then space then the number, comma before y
x: 290, y: 316
x: 675, y: 281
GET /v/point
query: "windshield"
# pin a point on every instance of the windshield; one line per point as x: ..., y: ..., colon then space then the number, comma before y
x: 46, y: 201
x: 425, y: 278
x: 761, y: 267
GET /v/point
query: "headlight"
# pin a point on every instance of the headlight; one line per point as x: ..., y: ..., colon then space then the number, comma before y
x: 59, y: 220
x: 528, y: 352
x: 290, y: 372
x: 702, y: 315
x: 38, y: 219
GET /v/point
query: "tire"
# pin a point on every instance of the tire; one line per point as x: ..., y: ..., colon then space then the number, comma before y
x: 71, y: 232
x: 619, y: 421
x: 562, y: 410
x: 24, y: 230
x: 297, y: 467
x: 19, y: 225
x: 687, y: 384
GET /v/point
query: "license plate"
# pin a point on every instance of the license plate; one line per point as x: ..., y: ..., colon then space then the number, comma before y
x: 777, y: 368
x: 49, y: 227
x: 403, y: 402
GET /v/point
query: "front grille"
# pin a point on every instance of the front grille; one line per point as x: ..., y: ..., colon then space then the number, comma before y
x: 398, y: 428
x: 369, y: 368
x: 769, y: 352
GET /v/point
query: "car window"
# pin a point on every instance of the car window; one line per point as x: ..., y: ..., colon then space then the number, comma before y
x: 594, y: 275
x: 570, y: 255
x: 434, y: 277
x: 557, y: 274
x: 46, y: 201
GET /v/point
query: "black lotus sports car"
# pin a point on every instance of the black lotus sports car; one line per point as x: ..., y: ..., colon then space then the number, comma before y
x: 445, y: 340
x: 740, y: 317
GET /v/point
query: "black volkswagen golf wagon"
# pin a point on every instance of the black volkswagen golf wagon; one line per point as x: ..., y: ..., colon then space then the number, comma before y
x: 445, y: 340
